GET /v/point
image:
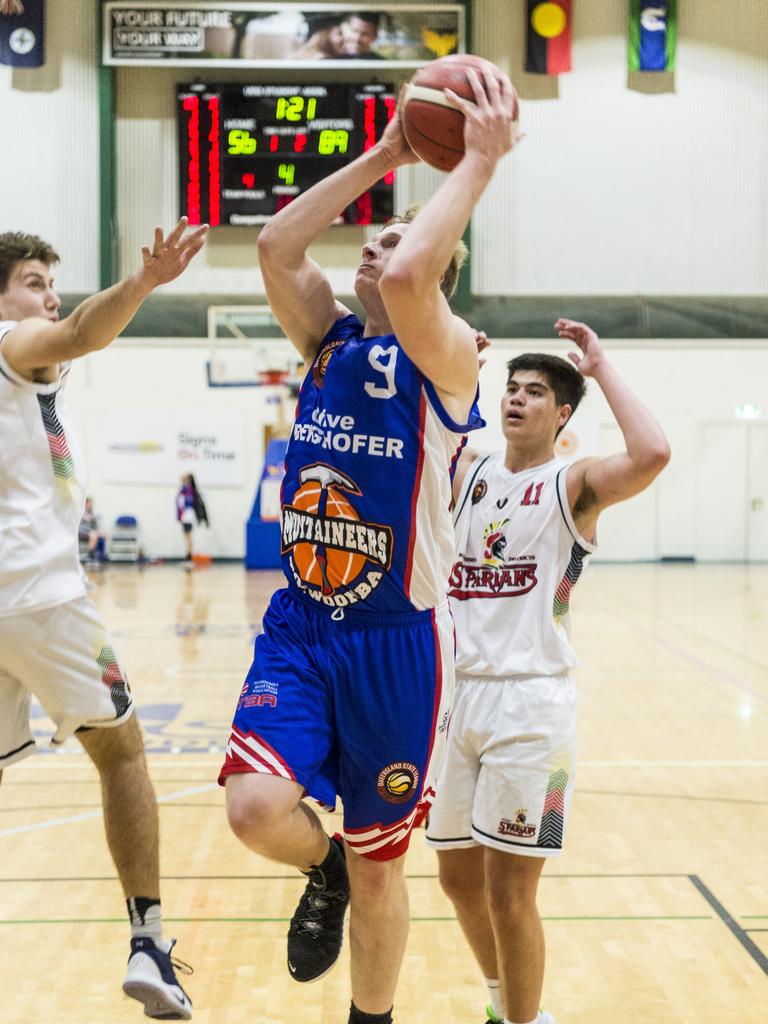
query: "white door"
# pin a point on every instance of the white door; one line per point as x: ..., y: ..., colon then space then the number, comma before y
x: 757, y: 493
x: 721, y: 506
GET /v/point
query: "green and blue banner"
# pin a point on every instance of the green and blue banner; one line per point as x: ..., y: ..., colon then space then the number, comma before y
x: 652, y: 35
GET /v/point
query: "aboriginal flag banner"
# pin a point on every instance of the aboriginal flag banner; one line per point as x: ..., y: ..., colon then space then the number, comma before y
x: 22, y: 36
x: 548, y: 48
x: 652, y: 35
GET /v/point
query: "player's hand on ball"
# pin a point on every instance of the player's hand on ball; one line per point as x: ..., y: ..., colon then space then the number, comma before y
x: 591, y: 355
x: 170, y: 255
x: 394, y: 143
x: 490, y: 126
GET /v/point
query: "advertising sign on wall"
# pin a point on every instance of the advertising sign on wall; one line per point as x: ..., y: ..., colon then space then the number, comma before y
x: 278, y: 35
x: 147, y: 448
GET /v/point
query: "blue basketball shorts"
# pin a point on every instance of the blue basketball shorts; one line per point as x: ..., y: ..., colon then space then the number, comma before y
x: 356, y: 708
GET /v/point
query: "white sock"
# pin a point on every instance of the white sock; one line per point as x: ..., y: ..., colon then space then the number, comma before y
x: 146, y: 918
x: 494, y: 994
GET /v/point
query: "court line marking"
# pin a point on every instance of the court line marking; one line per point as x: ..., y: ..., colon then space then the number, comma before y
x: 164, y: 761
x: 53, y: 822
x: 433, y: 876
x: 736, y: 930
x: 672, y: 764
x: 731, y: 652
x: 717, y: 674
x: 664, y: 796
x: 282, y: 920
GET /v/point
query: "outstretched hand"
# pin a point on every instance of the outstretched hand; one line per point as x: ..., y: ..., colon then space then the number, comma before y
x: 11, y: 7
x: 591, y: 355
x: 169, y: 257
x: 490, y: 122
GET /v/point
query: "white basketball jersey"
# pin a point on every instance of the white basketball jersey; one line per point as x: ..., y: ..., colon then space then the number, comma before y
x: 41, y: 496
x: 519, y: 555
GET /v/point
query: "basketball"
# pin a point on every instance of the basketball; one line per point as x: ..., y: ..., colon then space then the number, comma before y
x: 334, y: 568
x: 435, y: 129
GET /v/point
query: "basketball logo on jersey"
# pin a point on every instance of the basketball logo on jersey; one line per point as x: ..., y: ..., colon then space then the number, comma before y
x: 396, y: 783
x: 331, y: 548
x: 495, y: 542
x: 320, y: 365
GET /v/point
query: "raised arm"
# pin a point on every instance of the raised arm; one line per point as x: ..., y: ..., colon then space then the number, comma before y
x: 297, y: 289
x: 441, y: 344
x: 594, y: 484
x: 35, y: 344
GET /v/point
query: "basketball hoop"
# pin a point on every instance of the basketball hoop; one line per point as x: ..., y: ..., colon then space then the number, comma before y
x: 273, y: 377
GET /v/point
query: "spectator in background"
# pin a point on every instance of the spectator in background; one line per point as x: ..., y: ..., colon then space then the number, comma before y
x: 360, y: 32
x: 89, y: 532
x: 325, y: 39
x: 190, y: 511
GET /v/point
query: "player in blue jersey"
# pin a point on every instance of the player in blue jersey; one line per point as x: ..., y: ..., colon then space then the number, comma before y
x: 352, y: 677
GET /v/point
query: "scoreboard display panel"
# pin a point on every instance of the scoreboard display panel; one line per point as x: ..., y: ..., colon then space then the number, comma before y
x: 247, y: 150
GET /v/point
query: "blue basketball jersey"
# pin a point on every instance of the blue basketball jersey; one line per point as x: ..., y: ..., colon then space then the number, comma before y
x: 366, y: 522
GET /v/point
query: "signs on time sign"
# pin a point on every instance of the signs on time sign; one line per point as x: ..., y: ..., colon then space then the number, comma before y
x: 246, y: 149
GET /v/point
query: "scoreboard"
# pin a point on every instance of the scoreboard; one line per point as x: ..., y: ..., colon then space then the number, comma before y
x: 247, y: 150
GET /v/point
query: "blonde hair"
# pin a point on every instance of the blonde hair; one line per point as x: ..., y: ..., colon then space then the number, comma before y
x: 451, y: 276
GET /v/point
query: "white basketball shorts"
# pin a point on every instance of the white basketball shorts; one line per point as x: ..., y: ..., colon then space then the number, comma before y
x: 64, y: 656
x: 507, y: 777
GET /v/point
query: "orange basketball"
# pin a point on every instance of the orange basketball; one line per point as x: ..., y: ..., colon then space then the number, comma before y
x: 434, y: 129
x: 338, y: 567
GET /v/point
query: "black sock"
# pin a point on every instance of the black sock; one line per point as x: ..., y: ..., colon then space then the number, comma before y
x: 333, y: 867
x: 358, y: 1017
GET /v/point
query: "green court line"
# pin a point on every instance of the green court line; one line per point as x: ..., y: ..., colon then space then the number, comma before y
x: 268, y: 920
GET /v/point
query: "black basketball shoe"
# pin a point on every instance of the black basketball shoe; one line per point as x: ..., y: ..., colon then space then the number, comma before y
x: 317, y: 928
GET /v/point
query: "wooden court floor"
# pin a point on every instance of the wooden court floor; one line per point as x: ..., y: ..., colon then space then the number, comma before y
x: 657, y: 913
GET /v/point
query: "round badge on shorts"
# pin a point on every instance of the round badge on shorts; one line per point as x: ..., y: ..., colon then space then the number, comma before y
x: 22, y: 41
x: 397, y: 782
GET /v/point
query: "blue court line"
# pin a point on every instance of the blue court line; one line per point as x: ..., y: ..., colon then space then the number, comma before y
x: 730, y: 680
x: 754, y: 951
x: 53, y: 822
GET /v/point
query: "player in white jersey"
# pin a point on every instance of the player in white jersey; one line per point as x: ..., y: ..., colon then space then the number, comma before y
x: 525, y: 526
x: 52, y: 642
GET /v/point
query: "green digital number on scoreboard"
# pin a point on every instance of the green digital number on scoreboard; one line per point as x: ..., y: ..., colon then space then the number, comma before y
x: 247, y: 150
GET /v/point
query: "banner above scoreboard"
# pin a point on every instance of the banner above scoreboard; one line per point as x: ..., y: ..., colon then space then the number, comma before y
x: 340, y: 35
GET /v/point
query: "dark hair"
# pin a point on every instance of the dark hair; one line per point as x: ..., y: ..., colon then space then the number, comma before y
x: 460, y: 253
x: 322, y: 21
x: 201, y: 512
x: 15, y: 247
x: 373, y: 17
x: 565, y: 380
